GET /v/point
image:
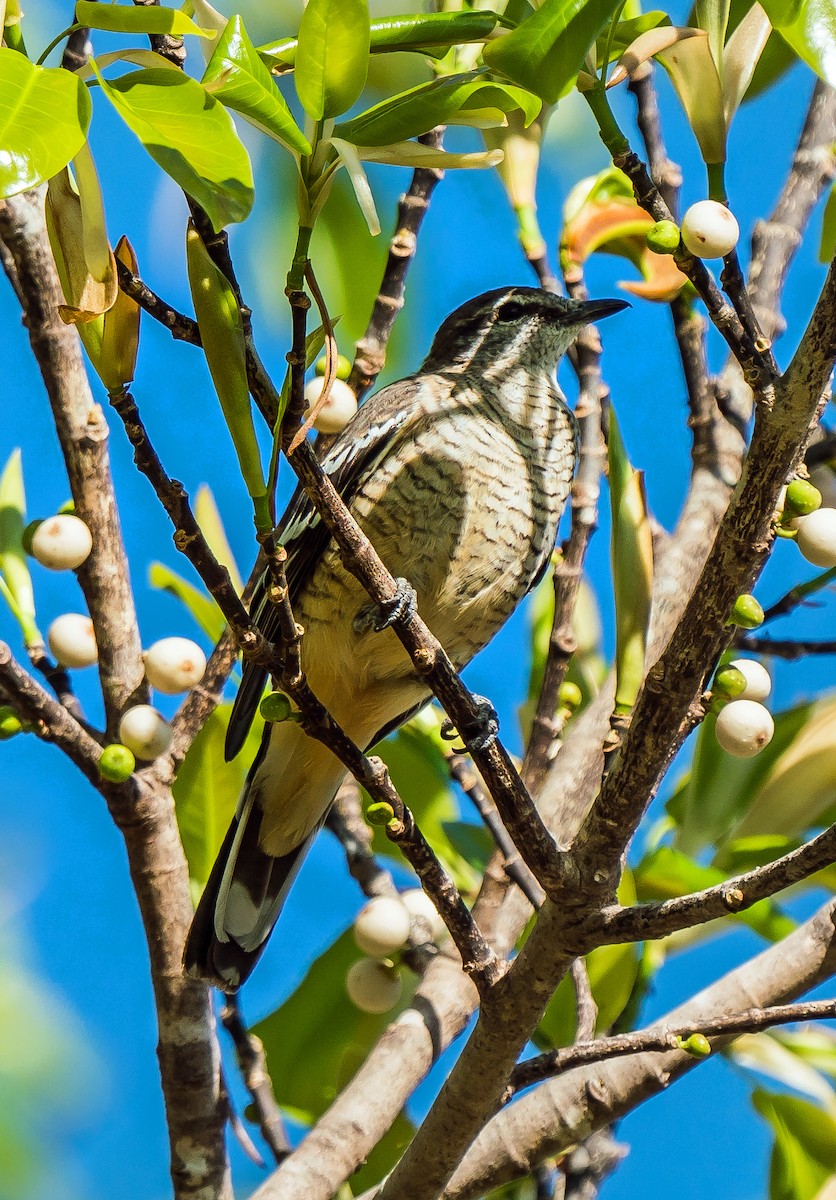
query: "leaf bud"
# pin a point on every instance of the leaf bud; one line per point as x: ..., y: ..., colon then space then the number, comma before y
x: 379, y: 813
x: 802, y: 498
x: 697, y: 1045
x: 10, y: 722
x: 746, y: 612
x: 663, y: 237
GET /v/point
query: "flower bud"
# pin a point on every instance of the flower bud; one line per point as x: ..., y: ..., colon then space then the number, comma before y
x: 709, y: 230
x: 338, y: 409
x: 663, y: 237
x: 802, y: 498
x: 61, y: 543
x: 72, y: 640
x: 10, y: 722
x: 746, y: 613
x: 145, y: 731
x: 816, y: 537
x: 373, y: 987
x: 174, y: 664
x: 744, y: 727
x: 382, y: 926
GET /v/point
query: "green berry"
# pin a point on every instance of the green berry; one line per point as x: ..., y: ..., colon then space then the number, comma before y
x: 10, y: 723
x: 802, y: 498
x: 697, y: 1044
x: 343, y: 366
x: 570, y: 695
x: 663, y: 237
x: 276, y: 707
x: 380, y: 813
x: 29, y: 532
x: 729, y: 682
x: 116, y: 763
x: 746, y: 613
x: 67, y: 508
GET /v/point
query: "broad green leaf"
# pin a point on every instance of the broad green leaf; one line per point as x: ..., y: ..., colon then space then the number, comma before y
x: 805, y: 1145
x: 632, y: 561
x: 414, y: 31
x: 766, y: 1054
x: 827, y: 245
x: 201, y: 606
x: 626, y: 32
x: 809, y: 27
x: 13, y: 568
x: 44, y: 116
x: 453, y: 100
x: 721, y: 789
x: 332, y: 58
x: 741, y: 57
x: 238, y: 78
x: 120, y: 329
x: 209, y: 519
x: 317, y: 1039
x: 665, y: 874
x: 190, y: 135
x: 206, y: 792
x: 545, y: 53
x: 123, y: 18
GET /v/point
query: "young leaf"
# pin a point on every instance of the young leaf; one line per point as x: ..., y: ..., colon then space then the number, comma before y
x: 827, y: 245
x: 88, y: 290
x: 647, y: 44
x: 414, y: 31
x: 190, y: 135
x: 201, y: 606
x: 694, y: 74
x: 239, y: 79
x: 713, y: 17
x: 44, y: 116
x: 741, y: 56
x: 359, y: 181
x: 545, y: 53
x: 121, y: 18
x: 809, y: 26
x: 120, y: 331
x: 805, y: 1145
x: 222, y: 333
x: 453, y: 100
x: 209, y: 519
x: 632, y: 559
x: 13, y: 569
x: 332, y: 58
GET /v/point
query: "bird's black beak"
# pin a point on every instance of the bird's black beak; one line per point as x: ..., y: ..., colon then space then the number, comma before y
x: 594, y: 310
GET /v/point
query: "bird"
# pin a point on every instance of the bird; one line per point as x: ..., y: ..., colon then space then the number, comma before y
x: 458, y: 475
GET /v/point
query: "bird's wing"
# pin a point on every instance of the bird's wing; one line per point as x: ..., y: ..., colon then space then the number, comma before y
x: 355, y: 452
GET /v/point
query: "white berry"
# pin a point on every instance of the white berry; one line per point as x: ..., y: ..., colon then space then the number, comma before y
x: 72, y: 640
x: 709, y: 230
x: 338, y: 409
x: 174, y: 664
x: 758, y: 679
x: 744, y: 727
x: 816, y: 537
x: 61, y: 543
x: 418, y: 904
x: 382, y: 927
x: 374, y: 987
x: 145, y: 731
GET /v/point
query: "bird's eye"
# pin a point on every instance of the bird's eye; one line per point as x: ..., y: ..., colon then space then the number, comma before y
x: 511, y: 310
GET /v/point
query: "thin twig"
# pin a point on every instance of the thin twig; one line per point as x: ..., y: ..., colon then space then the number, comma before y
x: 370, y: 352
x: 545, y: 1066
x: 587, y: 1009
x: 249, y: 1053
x: 799, y: 595
x: 181, y: 327
x: 785, y: 648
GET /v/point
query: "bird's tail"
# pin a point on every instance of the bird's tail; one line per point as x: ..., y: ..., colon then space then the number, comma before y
x: 240, y: 903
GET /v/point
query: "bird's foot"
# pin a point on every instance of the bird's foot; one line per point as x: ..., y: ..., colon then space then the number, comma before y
x: 374, y: 618
x: 479, y: 733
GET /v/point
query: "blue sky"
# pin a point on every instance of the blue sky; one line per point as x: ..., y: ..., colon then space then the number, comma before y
x: 75, y: 921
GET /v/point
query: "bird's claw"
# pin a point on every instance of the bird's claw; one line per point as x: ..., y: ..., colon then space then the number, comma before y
x: 377, y: 617
x: 481, y: 731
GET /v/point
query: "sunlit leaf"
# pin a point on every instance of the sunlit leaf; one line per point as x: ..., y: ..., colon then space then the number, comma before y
x: 809, y: 27
x: 805, y: 1145
x: 211, y: 526
x: 201, y: 606
x: 87, y: 295
x: 764, y: 1053
x: 741, y: 56
x: 448, y: 101
x: 124, y: 18
x: 13, y: 568
x: 827, y: 245
x: 44, y: 116
x: 545, y: 53
x: 332, y: 58
x: 239, y: 79
x: 190, y: 135
x: 695, y: 77
x: 645, y: 47
x: 626, y: 32
x: 713, y: 17
x: 120, y: 329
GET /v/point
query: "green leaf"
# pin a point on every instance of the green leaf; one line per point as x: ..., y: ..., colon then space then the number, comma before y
x: 809, y: 27
x: 453, y: 100
x: 206, y: 792
x: 385, y: 1154
x: 209, y: 519
x: 769, y: 1054
x: 190, y: 135
x: 122, y: 18
x: 626, y: 32
x: 545, y: 53
x: 713, y: 17
x: 201, y: 606
x: 472, y: 842
x: 667, y: 873
x: 317, y: 1039
x: 696, y: 78
x: 805, y: 1145
x: 632, y: 560
x: 827, y: 245
x: 44, y: 117
x: 13, y: 568
x: 414, y: 31
x: 332, y: 58
x: 237, y: 77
